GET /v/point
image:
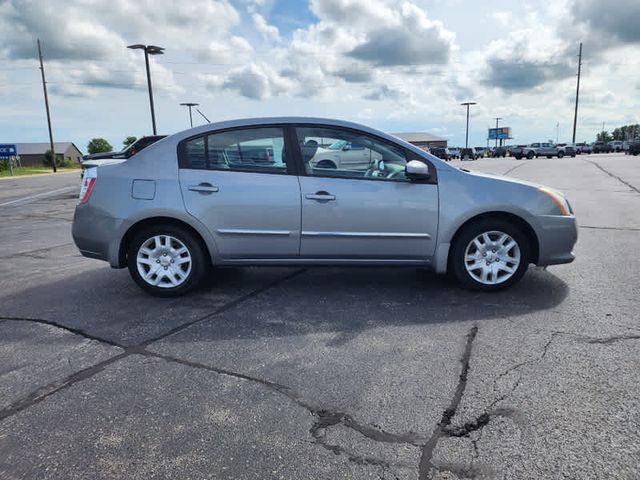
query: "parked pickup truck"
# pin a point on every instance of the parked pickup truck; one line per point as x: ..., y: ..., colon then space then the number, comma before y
x: 537, y: 150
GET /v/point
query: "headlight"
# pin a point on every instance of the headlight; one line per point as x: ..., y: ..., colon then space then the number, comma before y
x: 559, y: 200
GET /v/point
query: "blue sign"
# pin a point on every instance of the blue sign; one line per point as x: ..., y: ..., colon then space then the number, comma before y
x: 499, y: 133
x: 8, y: 151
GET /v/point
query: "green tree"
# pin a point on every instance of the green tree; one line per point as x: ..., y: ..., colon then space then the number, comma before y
x: 99, y: 145
x: 128, y: 141
x: 48, y: 158
x: 604, y: 136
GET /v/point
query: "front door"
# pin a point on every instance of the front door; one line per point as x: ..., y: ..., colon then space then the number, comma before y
x: 238, y: 183
x: 377, y: 213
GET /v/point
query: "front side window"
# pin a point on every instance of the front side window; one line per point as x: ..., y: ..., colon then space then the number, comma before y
x: 336, y: 152
x: 250, y: 150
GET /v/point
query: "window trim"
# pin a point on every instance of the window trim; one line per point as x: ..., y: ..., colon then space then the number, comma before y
x: 409, y: 155
x: 291, y: 165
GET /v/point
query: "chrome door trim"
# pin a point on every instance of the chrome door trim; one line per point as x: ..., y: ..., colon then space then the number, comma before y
x: 244, y: 231
x: 366, y: 234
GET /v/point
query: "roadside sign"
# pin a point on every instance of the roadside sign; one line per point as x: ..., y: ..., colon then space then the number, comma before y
x: 501, y: 133
x: 7, y: 151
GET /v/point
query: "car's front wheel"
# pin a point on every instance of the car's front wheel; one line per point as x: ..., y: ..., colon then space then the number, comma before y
x: 489, y: 255
x: 166, y: 261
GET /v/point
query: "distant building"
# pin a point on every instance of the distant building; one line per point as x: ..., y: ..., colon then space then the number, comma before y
x: 32, y: 154
x: 422, y: 140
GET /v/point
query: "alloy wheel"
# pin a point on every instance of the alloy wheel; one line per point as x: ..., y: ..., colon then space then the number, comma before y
x: 492, y: 257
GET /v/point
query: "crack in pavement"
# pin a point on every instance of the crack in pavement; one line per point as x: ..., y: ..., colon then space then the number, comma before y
x: 75, y: 331
x: 610, y: 340
x: 631, y: 186
x: 40, y: 394
x: 622, y: 229
x: 36, y: 251
x: 514, y: 168
x: 426, y: 459
x: 324, y: 418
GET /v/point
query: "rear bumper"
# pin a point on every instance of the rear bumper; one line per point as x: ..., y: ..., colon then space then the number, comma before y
x: 557, y: 237
x: 95, y: 234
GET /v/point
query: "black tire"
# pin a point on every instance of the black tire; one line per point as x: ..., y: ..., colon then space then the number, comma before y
x: 471, y: 231
x: 530, y: 155
x: 549, y: 156
x: 200, y: 262
x: 560, y: 154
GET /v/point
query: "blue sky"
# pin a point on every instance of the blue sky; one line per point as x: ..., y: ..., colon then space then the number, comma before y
x: 394, y: 65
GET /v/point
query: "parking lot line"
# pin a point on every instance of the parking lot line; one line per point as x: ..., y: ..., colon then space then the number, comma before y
x: 38, y: 195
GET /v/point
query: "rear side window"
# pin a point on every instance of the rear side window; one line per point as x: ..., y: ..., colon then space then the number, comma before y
x: 250, y: 150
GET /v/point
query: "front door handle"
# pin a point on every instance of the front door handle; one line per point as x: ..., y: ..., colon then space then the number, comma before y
x: 203, y: 188
x: 321, y: 196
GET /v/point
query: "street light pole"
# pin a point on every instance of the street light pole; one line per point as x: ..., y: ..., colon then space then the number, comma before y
x: 466, y: 141
x: 149, y: 50
x: 497, y: 120
x: 190, y: 105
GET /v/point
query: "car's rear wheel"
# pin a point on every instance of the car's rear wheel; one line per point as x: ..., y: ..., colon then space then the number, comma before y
x: 166, y: 261
x: 560, y: 154
x: 530, y: 155
x: 490, y: 255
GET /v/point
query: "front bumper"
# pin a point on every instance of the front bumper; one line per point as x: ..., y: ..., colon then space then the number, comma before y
x: 557, y: 236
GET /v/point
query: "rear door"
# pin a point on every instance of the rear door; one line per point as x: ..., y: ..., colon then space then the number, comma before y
x: 239, y: 184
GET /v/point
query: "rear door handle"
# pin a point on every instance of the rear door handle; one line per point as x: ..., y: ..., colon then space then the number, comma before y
x: 203, y: 188
x: 322, y: 196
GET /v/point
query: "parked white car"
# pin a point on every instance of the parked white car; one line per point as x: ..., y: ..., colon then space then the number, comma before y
x: 345, y: 155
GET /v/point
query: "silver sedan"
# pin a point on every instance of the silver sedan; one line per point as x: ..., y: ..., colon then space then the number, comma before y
x: 247, y: 192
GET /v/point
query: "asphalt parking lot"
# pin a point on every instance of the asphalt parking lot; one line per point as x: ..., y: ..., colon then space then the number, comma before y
x: 324, y: 373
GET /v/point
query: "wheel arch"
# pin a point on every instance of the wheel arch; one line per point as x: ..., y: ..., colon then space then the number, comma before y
x: 159, y: 220
x: 514, y: 219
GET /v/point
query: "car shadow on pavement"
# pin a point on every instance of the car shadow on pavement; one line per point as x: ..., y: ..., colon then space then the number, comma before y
x: 263, y: 302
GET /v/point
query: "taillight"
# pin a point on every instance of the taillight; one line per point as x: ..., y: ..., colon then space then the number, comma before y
x: 88, y: 181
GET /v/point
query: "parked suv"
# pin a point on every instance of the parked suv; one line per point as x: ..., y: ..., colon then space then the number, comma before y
x: 469, y: 154
x: 634, y: 148
x: 186, y: 204
x: 454, y: 152
x: 616, y: 146
x: 583, y: 147
x: 566, y: 149
x: 441, y: 152
x: 600, y: 147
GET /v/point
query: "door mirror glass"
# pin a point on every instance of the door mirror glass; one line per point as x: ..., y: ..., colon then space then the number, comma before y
x: 417, y: 170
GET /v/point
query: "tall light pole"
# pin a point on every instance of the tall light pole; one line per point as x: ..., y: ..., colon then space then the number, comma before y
x: 466, y: 141
x: 190, y: 105
x: 149, y: 50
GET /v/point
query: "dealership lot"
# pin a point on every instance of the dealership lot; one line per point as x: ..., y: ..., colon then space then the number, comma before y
x: 324, y: 373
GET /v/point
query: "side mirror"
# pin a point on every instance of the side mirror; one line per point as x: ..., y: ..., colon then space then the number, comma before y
x: 416, y: 170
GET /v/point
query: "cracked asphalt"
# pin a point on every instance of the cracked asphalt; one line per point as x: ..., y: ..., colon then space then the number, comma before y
x: 324, y: 373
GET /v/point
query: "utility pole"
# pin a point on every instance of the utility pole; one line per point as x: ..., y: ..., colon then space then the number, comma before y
x: 46, y: 104
x: 497, y: 120
x: 575, y: 114
x: 466, y: 141
x: 557, y: 131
